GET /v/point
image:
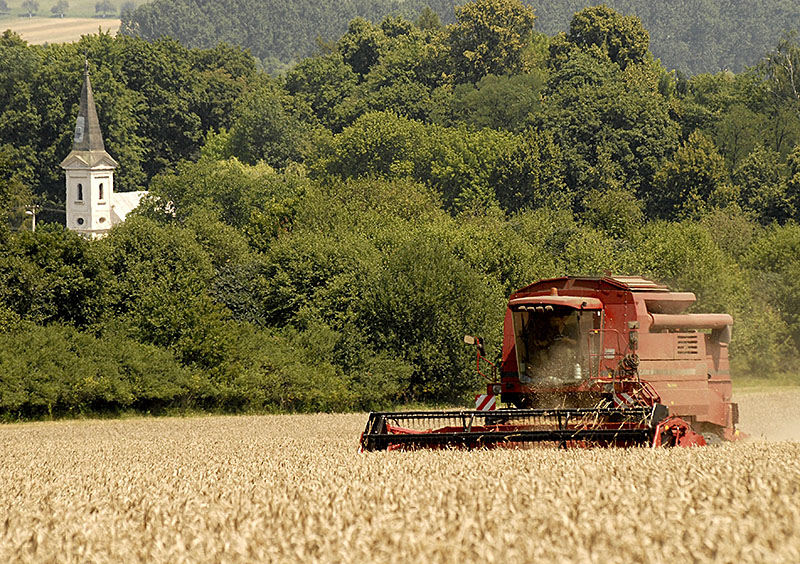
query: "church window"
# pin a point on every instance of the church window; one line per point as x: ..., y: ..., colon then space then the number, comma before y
x: 80, y: 221
x: 80, y: 192
x: 101, y: 190
x: 102, y: 220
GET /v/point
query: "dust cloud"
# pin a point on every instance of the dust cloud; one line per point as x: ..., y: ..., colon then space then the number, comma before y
x: 772, y: 415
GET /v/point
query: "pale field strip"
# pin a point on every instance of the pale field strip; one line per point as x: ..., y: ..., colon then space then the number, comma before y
x: 38, y: 31
x: 293, y: 489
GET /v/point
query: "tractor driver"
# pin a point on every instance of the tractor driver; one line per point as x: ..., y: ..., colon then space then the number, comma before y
x: 564, y: 329
x: 551, y: 349
x: 560, y: 363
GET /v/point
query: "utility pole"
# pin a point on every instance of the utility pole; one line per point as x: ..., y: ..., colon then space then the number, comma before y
x: 32, y: 210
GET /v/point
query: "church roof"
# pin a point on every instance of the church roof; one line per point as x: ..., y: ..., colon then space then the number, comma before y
x: 124, y: 203
x: 87, y: 143
x: 88, y: 136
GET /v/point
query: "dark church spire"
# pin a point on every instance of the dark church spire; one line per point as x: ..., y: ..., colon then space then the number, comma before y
x: 88, y: 136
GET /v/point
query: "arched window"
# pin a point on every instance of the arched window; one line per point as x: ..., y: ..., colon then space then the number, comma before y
x: 101, y: 190
x: 80, y: 192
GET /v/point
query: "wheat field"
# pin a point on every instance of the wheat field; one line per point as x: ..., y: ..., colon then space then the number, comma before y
x: 293, y: 489
x: 58, y: 30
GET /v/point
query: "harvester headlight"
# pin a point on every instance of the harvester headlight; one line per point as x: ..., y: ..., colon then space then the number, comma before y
x: 496, y: 389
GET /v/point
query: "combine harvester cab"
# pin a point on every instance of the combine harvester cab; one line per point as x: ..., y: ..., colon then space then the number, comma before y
x: 611, y: 361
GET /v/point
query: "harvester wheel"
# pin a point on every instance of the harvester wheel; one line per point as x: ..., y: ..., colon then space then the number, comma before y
x: 712, y: 438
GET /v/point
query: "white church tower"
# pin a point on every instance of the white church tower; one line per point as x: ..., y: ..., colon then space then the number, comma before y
x: 90, y: 173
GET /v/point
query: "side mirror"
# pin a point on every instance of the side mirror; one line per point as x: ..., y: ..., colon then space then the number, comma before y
x: 477, y: 341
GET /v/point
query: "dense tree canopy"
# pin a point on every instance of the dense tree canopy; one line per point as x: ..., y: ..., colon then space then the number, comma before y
x: 695, y: 36
x: 323, y: 239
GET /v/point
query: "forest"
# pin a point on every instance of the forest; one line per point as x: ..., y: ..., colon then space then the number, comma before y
x: 692, y: 37
x: 323, y: 240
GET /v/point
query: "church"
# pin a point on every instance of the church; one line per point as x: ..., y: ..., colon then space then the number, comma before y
x: 92, y: 206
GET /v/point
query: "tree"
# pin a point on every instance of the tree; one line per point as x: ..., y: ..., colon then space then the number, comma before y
x: 684, y: 185
x: 532, y: 175
x: 324, y: 81
x: 616, y: 212
x: 265, y: 128
x: 780, y: 73
x: 490, y: 37
x: 410, y: 66
x: 127, y: 8
x: 762, y: 189
x: 428, y: 20
x: 781, y: 69
x: 361, y: 45
x: 105, y: 7
x: 411, y: 307
x: 377, y: 144
x: 249, y: 198
x: 499, y: 102
x: 613, y: 127
x: 30, y: 6
x: 3, y: 7
x: 60, y: 8
x: 620, y: 38
x: 53, y: 276
x: 774, y: 256
x: 793, y: 182
x: 737, y: 132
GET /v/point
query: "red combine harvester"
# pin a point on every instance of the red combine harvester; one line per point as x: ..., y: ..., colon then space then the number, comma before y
x: 609, y: 361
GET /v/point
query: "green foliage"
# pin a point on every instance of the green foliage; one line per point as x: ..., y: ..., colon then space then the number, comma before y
x: 695, y: 36
x: 458, y: 163
x: 428, y: 20
x: 30, y: 7
x: 531, y: 175
x: 490, y: 37
x: 265, y: 128
x: 379, y: 143
x: 498, y: 102
x: 793, y: 181
x: 323, y: 240
x: 415, y: 307
x: 616, y: 212
x: 613, y: 127
x: 57, y: 370
x: 255, y: 199
x: 686, y: 256
x: 684, y: 185
x: 775, y: 257
x: 104, y: 7
x: 779, y: 69
x: 52, y: 275
x: 324, y: 82
x: 761, y: 186
x: 360, y: 46
x: 155, y: 102
x: 620, y: 39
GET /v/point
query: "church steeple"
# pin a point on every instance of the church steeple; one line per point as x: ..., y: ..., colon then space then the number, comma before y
x: 88, y: 136
x: 89, y: 172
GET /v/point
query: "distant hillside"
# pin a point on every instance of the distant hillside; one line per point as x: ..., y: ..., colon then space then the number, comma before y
x: 693, y: 36
x: 282, y: 30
